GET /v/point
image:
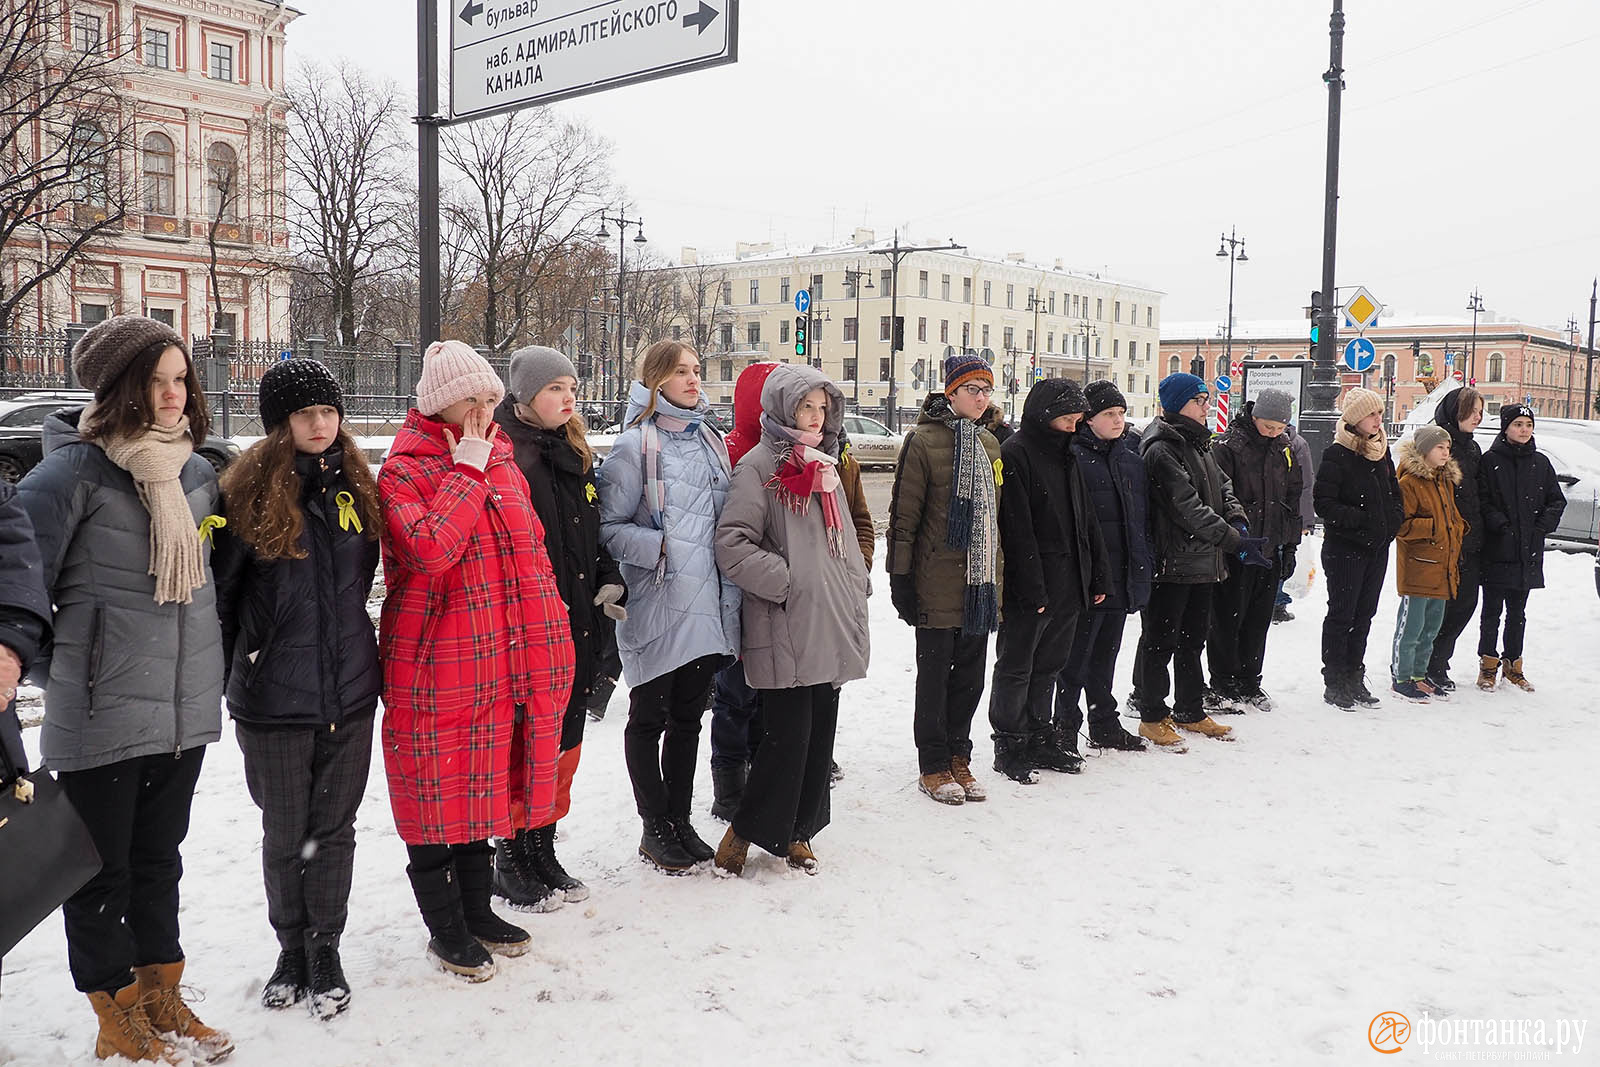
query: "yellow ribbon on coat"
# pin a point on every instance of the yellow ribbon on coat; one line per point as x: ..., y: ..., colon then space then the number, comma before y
x: 208, y: 527
x: 999, y: 479
x: 347, y: 511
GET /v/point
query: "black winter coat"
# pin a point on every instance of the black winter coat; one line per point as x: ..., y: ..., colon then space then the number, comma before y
x: 1469, y: 457
x: 1522, y: 503
x: 299, y: 645
x: 1119, y: 497
x: 568, y: 506
x: 1266, y: 479
x: 1358, y: 499
x: 1055, y: 557
x: 24, y: 610
x: 1193, y: 508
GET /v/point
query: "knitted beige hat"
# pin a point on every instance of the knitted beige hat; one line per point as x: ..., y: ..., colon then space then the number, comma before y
x: 452, y: 371
x: 1359, y: 403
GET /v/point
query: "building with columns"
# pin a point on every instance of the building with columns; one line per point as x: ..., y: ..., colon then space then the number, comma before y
x: 203, y: 84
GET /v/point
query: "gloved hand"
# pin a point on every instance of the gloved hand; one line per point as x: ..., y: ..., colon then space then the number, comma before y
x: 903, y: 595
x: 607, y: 600
x: 1242, y: 526
x: 1253, y: 551
x: 1290, y: 558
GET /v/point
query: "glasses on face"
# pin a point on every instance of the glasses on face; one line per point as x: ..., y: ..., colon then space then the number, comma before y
x: 977, y: 390
x: 1203, y: 400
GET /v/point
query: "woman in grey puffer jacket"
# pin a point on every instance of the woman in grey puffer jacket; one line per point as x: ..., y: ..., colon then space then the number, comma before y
x: 661, y: 493
x: 123, y: 510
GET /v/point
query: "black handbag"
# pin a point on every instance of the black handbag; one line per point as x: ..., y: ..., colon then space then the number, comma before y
x: 46, y: 853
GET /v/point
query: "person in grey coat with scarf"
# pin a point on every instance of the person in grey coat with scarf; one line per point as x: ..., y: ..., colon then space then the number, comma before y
x: 787, y: 540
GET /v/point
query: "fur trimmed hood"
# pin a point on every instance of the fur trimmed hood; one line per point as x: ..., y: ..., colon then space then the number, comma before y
x: 1410, y: 463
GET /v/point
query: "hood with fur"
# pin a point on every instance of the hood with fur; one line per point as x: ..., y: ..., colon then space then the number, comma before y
x: 1410, y: 463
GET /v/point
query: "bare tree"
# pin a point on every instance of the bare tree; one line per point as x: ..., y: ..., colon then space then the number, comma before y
x: 348, y: 183
x: 63, y: 133
x: 704, y: 303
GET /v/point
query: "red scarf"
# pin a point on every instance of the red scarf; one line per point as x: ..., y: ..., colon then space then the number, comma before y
x: 804, y: 470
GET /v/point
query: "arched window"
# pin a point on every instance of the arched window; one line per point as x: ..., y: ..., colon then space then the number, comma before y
x: 89, y: 159
x: 1272, y: 355
x: 160, y: 174
x: 1497, y: 367
x: 1391, y: 366
x: 222, y: 182
x: 1174, y: 365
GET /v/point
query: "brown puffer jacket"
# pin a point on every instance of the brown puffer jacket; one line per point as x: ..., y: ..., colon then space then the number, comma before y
x: 918, y: 511
x: 1431, y: 533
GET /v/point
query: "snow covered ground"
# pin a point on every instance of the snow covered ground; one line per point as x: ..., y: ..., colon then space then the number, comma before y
x: 1255, y: 902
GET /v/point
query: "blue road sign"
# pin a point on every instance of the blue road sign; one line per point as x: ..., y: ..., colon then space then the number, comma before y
x: 1224, y: 383
x: 802, y: 300
x: 1359, y: 355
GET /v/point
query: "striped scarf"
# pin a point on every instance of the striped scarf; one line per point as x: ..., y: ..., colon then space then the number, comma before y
x: 655, y: 490
x: 803, y: 470
x: 972, y: 523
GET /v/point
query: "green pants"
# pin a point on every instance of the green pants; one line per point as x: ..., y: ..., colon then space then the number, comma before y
x: 1414, y: 630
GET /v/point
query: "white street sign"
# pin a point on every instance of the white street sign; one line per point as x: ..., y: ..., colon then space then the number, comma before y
x: 508, y: 54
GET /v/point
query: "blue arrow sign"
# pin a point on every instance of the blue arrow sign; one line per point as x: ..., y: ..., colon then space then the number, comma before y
x: 802, y: 300
x: 1224, y: 383
x: 1359, y: 355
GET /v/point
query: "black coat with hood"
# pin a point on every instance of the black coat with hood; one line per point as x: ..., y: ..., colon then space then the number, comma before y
x: 24, y: 610
x: 1266, y: 479
x: 1469, y: 457
x: 1522, y: 503
x: 1358, y: 499
x: 1119, y: 498
x: 1055, y: 557
x: 1193, y: 508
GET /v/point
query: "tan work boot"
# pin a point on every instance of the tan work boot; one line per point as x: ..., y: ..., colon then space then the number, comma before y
x: 1160, y: 733
x: 801, y: 858
x: 1512, y: 668
x: 170, y: 1016
x: 732, y: 853
x: 1488, y: 667
x: 1208, y: 726
x: 961, y: 771
x: 942, y: 786
x: 125, y: 1029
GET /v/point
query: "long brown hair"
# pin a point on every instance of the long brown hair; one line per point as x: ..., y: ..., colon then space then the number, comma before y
x: 263, y: 494
x: 660, y: 360
x: 1468, y: 400
x: 122, y: 405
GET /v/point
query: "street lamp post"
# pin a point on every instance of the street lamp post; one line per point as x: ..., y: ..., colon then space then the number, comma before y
x: 1088, y: 332
x: 1232, y: 250
x: 897, y: 252
x: 1035, y: 305
x: 1474, y: 305
x: 1572, y: 356
x: 852, y: 277
x: 623, y: 222
x: 1011, y: 387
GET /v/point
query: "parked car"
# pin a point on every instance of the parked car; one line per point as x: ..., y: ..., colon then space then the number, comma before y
x: 22, y: 427
x: 871, y: 442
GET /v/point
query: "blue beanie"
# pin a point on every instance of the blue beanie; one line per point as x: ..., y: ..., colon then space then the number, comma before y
x: 1178, y: 389
x: 963, y: 367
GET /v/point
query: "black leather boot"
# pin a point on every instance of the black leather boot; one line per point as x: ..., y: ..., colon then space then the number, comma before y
x: 660, y: 845
x: 474, y: 870
x: 540, y: 850
x: 452, y: 946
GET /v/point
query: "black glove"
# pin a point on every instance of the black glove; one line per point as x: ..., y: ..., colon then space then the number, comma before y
x: 1289, y: 560
x: 903, y: 595
x: 1253, y: 551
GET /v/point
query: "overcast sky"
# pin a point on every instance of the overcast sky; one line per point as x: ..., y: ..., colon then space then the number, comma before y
x: 1123, y: 137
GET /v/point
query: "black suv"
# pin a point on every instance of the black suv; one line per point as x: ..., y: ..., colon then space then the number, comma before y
x: 22, y: 423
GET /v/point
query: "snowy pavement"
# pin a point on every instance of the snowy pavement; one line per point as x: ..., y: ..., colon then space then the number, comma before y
x: 1255, y: 902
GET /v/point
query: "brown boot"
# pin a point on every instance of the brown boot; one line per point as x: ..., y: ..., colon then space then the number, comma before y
x: 801, y: 858
x: 1208, y: 726
x: 169, y: 1015
x: 1160, y: 733
x: 1512, y: 669
x: 1488, y: 667
x: 961, y: 771
x: 732, y: 853
x: 941, y: 787
x: 125, y: 1029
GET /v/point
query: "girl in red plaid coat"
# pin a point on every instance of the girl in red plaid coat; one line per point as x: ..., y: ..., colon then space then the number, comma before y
x: 477, y: 655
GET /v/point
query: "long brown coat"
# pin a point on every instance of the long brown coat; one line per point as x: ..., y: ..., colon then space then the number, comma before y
x: 1432, y: 529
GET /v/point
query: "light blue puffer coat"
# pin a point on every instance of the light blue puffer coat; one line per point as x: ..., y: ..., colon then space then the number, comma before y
x: 695, y: 611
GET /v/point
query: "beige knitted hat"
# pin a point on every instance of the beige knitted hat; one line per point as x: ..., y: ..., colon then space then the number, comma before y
x: 452, y: 371
x: 1359, y: 403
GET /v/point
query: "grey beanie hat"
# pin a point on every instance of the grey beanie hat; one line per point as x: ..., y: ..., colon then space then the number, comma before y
x: 1429, y: 437
x: 535, y: 367
x: 102, y: 354
x: 1274, y: 404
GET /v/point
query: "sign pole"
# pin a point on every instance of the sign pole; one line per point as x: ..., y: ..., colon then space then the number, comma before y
x: 428, y: 169
x: 1319, y: 424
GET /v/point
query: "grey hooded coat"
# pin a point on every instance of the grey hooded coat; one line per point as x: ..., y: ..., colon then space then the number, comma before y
x: 126, y: 676
x: 805, y: 609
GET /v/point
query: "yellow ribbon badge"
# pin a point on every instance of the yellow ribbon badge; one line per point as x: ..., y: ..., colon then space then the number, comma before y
x: 347, y: 511
x: 208, y: 526
x: 999, y: 479
x: 589, y: 492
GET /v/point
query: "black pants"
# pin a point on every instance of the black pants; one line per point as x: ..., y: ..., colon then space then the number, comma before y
x: 662, y: 767
x: 1515, y: 603
x: 137, y: 811
x: 1355, y: 581
x: 308, y: 782
x: 735, y: 718
x: 1091, y: 669
x: 786, y: 797
x: 949, y: 682
x: 1030, y: 649
x: 1241, y: 616
x: 1174, y: 628
x: 1457, y: 614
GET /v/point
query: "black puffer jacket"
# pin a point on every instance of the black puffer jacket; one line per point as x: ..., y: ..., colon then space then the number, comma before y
x: 1266, y: 479
x: 1358, y: 499
x: 1192, y: 505
x: 1469, y: 457
x: 568, y: 506
x: 1522, y: 503
x: 298, y: 641
x: 24, y: 610
x: 1054, y: 555
x: 1119, y: 497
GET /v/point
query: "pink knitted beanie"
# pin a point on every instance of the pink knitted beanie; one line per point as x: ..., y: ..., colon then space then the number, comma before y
x: 452, y: 371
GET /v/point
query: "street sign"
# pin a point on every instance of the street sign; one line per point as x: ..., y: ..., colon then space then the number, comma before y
x: 1361, y: 311
x: 1038, y: 374
x: 1224, y: 383
x: 1459, y: 376
x: 802, y: 301
x: 1359, y: 355
x: 509, y: 54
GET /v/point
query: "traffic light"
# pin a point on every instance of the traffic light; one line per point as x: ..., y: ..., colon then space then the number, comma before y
x: 1316, y: 320
x: 801, y: 345
x: 899, y: 344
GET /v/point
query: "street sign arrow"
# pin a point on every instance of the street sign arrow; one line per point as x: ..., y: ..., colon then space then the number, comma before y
x: 702, y: 18
x: 471, y: 11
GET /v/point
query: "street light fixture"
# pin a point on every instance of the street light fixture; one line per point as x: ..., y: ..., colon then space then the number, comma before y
x: 1232, y: 250
x: 1088, y: 332
x: 852, y: 278
x: 623, y: 222
x: 1474, y: 305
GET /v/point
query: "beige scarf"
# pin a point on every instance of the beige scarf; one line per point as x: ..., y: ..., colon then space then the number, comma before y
x: 1372, y: 448
x: 155, y: 459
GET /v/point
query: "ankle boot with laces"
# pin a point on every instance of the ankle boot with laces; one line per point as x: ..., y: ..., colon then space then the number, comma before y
x: 171, y: 1016
x: 125, y: 1029
x: 1512, y: 670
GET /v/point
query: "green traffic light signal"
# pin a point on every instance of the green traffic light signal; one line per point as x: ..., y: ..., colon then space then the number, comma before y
x: 1314, y: 332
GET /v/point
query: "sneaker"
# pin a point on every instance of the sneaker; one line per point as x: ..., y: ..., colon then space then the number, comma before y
x: 961, y: 771
x: 1258, y: 700
x: 287, y: 986
x: 1281, y: 613
x: 942, y: 786
x: 330, y: 993
x: 1338, y: 694
x: 1440, y: 681
x: 1160, y: 733
x: 1115, y: 737
x: 1222, y: 701
x: 1409, y: 690
x: 835, y: 775
x: 1012, y: 758
x: 1430, y: 690
x: 1208, y: 726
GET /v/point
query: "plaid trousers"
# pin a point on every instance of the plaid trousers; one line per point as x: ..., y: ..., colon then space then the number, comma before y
x: 308, y: 782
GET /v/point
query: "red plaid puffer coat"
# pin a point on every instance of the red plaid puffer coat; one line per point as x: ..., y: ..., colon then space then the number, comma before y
x: 472, y: 629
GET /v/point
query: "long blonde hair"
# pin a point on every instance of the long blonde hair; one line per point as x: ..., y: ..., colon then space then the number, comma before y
x: 660, y: 361
x: 575, y: 429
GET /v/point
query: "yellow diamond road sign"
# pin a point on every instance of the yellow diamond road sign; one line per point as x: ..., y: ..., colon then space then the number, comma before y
x: 1362, y: 310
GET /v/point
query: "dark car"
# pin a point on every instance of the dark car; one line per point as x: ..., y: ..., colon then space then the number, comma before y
x: 22, y: 423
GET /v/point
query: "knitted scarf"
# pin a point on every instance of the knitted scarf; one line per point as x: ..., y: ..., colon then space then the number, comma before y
x: 1372, y: 448
x: 155, y: 460
x: 972, y: 518
x: 655, y: 490
x: 804, y: 469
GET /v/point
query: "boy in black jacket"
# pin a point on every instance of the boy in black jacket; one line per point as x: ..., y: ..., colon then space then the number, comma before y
x: 1055, y: 569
